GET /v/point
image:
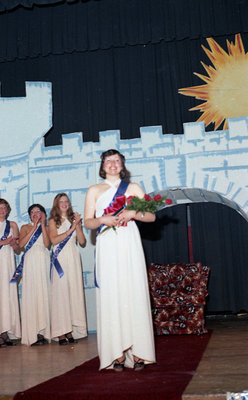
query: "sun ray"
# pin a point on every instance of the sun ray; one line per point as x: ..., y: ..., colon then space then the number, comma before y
x: 209, y: 69
x: 225, y: 92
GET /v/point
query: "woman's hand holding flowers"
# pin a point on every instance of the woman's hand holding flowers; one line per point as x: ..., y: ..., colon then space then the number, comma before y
x: 125, y: 216
x: 110, y: 220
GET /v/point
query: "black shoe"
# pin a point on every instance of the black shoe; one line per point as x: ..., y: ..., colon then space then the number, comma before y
x: 70, y: 338
x: 9, y: 343
x: 119, y: 365
x: 2, y: 343
x: 139, y: 365
x: 62, y: 342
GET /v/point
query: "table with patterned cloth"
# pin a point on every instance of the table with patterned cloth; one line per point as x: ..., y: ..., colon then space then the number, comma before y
x: 178, y: 295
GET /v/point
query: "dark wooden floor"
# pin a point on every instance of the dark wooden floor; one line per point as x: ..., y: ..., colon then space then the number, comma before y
x: 223, y: 368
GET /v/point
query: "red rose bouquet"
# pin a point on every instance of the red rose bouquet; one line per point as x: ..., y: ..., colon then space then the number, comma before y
x: 145, y: 204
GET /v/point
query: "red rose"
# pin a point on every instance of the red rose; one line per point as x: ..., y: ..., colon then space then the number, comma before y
x: 157, y: 197
x: 147, y: 197
x: 168, y: 201
x: 129, y: 200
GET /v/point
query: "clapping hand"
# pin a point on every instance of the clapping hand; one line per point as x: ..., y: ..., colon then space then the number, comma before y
x: 36, y: 218
x: 13, y: 241
x: 77, y: 219
x: 43, y: 218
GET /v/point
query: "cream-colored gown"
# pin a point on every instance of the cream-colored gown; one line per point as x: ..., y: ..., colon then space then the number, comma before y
x: 9, y: 306
x: 35, y: 308
x: 124, y: 319
x: 67, y: 293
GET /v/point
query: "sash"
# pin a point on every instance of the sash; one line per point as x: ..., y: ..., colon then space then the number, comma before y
x: 19, y: 269
x: 54, y: 256
x: 116, y: 205
x: 6, y: 232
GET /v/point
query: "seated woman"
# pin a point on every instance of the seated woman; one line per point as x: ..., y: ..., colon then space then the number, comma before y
x: 35, y: 278
x: 68, y: 317
x: 9, y: 307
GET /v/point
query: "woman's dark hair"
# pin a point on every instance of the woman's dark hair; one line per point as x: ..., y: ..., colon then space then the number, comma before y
x: 3, y: 201
x: 41, y: 208
x: 124, y: 174
x: 55, y: 211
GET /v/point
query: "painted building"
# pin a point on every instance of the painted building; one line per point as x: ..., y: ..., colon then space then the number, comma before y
x: 30, y: 172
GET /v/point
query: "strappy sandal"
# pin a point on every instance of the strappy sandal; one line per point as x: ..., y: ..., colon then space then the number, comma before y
x: 39, y: 341
x: 6, y: 339
x: 62, y: 341
x: 70, y: 338
x: 119, y: 365
x: 139, y: 365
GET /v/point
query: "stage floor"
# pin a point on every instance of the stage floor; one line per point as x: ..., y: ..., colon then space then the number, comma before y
x: 224, y: 365
x: 223, y: 368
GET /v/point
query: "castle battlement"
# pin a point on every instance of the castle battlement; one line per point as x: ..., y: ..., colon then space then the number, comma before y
x: 32, y: 173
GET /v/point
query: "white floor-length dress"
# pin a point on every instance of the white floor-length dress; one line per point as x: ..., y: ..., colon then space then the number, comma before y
x: 35, y: 301
x: 124, y: 319
x: 67, y: 293
x: 9, y: 305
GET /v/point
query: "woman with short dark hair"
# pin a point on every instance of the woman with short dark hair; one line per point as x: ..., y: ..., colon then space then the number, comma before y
x: 9, y: 306
x: 35, y: 278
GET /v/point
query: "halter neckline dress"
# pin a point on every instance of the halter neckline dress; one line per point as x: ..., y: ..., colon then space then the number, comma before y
x: 36, y: 293
x: 67, y: 294
x: 9, y: 306
x: 124, y: 321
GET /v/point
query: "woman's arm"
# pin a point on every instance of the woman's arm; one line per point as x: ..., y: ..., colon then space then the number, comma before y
x: 90, y: 221
x: 126, y: 215
x: 26, y: 233
x: 79, y: 230
x: 44, y: 228
x: 56, y: 238
x: 15, y: 240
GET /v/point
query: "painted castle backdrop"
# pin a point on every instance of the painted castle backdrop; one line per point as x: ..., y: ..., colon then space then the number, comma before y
x: 32, y: 173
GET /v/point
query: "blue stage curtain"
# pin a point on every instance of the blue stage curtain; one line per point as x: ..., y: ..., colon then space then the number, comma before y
x: 219, y: 238
x: 42, y: 27
x: 114, y: 64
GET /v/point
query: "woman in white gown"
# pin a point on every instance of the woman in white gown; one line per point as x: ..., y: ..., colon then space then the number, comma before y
x: 68, y: 316
x: 124, y: 323
x: 9, y: 306
x: 35, y: 307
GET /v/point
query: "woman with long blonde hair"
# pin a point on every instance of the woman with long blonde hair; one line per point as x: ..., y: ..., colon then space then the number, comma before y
x: 68, y: 317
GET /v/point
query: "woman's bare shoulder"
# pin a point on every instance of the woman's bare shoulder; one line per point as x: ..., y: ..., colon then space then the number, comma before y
x: 97, y: 187
x: 26, y: 227
x: 94, y: 191
x: 135, y: 189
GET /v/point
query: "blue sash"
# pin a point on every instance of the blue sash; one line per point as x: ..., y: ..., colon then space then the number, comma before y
x: 19, y: 269
x: 120, y: 191
x: 54, y: 256
x: 6, y: 232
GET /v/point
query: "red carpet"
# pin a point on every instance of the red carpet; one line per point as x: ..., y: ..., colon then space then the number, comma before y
x: 177, y: 359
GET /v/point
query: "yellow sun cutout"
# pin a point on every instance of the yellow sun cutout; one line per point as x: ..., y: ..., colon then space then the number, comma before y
x: 226, y: 90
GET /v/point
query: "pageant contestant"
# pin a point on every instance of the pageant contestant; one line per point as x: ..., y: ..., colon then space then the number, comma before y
x: 68, y: 317
x: 35, y: 308
x: 9, y: 307
x: 124, y: 323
